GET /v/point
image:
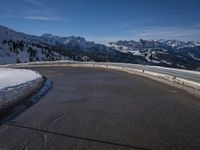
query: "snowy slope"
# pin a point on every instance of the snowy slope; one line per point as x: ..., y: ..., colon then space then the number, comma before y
x: 16, y: 47
x: 170, y: 53
x: 180, y: 47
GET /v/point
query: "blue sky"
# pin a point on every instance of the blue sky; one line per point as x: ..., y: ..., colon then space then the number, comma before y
x: 105, y: 20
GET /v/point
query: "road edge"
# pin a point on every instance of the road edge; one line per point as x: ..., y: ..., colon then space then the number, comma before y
x: 187, y: 85
x: 11, y: 98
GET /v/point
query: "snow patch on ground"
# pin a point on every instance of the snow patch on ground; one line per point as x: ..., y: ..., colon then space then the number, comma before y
x: 166, y: 62
x: 156, y: 61
x: 198, y: 59
x: 16, y: 85
x: 13, y: 77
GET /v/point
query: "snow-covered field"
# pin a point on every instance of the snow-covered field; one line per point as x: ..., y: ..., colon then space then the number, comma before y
x: 16, y: 85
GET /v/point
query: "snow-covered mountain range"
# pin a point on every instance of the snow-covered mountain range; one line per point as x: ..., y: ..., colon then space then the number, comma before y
x: 18, y: 47
x: 165, y: 52
x: 187, y: 48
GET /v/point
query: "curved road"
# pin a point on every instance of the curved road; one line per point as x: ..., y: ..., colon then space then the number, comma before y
x: 98, y: 109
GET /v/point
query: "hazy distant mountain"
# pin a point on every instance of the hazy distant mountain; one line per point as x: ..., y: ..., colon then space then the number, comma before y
x: 18, y: 47
x: 165, y: 52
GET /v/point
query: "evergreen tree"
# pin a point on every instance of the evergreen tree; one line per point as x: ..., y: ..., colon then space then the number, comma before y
x: 17, y: 60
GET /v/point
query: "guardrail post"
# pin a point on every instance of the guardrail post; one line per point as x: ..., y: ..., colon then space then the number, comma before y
x: 1, y: 97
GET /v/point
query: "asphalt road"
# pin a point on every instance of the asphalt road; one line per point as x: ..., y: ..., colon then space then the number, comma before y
x: 99, y: 109
x: 181, y: 73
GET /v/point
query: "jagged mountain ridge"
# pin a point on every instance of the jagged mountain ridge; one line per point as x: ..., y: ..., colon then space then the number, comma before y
x: 170, y: 52
x: 18, y: 47
x: 180, y: 47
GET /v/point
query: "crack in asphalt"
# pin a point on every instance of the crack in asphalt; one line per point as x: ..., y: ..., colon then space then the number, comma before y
x: 83, y: 133
x: 76, y: 137
x: 55, y: 119
x: 26, y: 146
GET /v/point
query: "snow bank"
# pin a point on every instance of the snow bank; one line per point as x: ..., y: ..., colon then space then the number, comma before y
x: 13, y: 77
x: 16, y: 85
